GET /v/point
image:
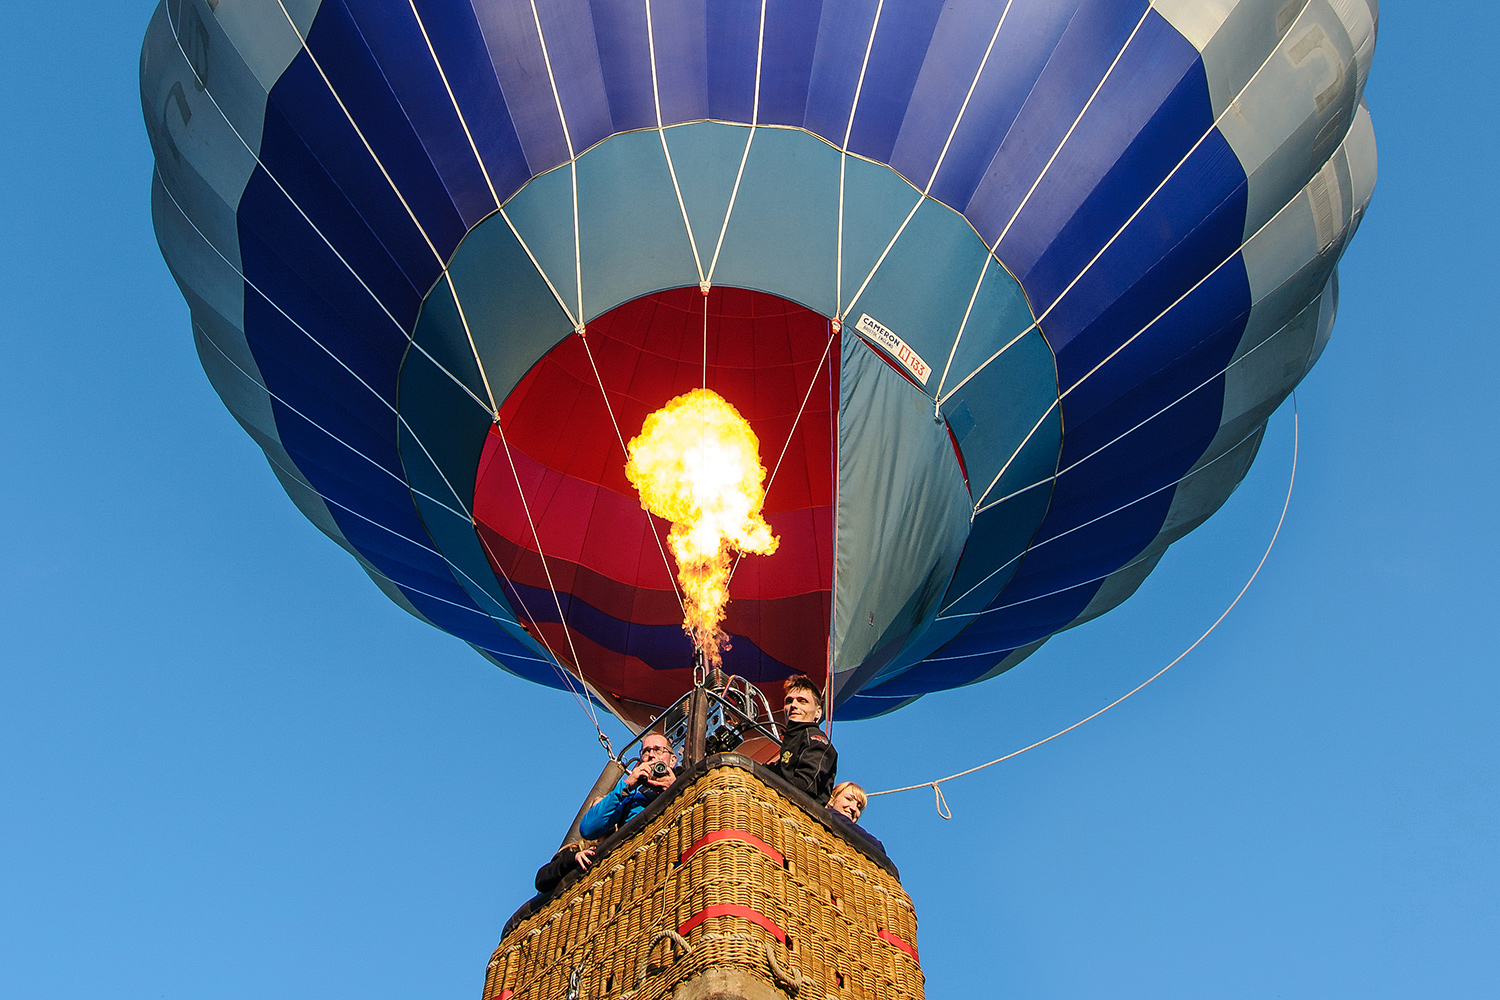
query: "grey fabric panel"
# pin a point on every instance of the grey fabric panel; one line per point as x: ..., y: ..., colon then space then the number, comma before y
x: 1285, y: 78
x: 266, y: 40
x: 903, y: 515
x: 201, y: 159
x: 626, y: 199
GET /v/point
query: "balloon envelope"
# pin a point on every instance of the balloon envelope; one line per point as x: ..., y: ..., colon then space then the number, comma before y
x: 1007, y: 292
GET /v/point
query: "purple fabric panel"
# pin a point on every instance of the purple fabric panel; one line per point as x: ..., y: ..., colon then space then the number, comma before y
x: 733, y: 38
x: 516, y: 54
x: 786, y: 68
x: 1155, y: 64
x: 395, y: 39
x: 355, y: 76
x: 901, y: 46
x: 843, y: 32
x: 460, y: 47
x: 1094, y: 37
x: 568, y: 26
x: 680, y: 28
x: 625, y: 61
x: 1030, y: 32
x: 301, y: 108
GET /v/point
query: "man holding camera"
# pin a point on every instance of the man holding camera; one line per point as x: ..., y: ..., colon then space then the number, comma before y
x: 634, y: 792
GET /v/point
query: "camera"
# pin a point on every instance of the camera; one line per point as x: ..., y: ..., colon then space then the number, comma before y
x: 658, y: 771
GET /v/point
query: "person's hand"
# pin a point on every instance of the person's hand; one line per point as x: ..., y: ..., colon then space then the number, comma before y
x: 638, y: 774
x: 585, y: 858
x: 664, y: 782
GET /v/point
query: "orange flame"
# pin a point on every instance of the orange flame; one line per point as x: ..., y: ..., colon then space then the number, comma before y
x: 696, y: 463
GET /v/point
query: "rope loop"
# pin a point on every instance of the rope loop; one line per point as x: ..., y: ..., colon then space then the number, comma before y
x: 940, y: 803
x: 1286, y: 505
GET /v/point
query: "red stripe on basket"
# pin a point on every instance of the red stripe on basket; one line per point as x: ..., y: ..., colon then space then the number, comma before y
x: 504, y: 995
x: 732, y: 910
x: 740, y: 835
x: 890, y: 938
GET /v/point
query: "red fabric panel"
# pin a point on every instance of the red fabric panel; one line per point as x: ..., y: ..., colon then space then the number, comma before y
x: 563, y: 453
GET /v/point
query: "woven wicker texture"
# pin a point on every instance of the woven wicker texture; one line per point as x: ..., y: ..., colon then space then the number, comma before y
x: 732, y: 874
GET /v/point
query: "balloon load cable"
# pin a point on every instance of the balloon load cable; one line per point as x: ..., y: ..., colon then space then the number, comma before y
x: 941, y: 804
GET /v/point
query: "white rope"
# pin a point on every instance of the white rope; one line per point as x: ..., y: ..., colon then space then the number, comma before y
x: 844, y: 159
x: 1231, y: 107
x: 1292, y: 481
x: 406, y: 335
x: 454, y: 100
x: 662, y: 133
x: 624, y: 450
x: 806, y: 397
x: 734, y: 192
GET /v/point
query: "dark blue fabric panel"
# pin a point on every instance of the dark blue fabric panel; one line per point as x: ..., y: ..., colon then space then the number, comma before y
x: 455, y: 36
x: 843, y: 33
x: 1083, y: 55
x: 365, y: 340
x: 357, y: 80
x: 680, y: 28
x: 266, y: 211
x: 1145, y: 89
x: 1128, y: 186
x: 510, y: 33
x: 786, y: 67
x: 1030, y: 32
x: 661, y: 647
x: 1172, y: 349
x: 476, y: 628
x: 733, y: 40
x: 625, y: 61
x: 1178, y: 289
x: 395, y: 38
x: 901, y: 45
x: 569, y: 29
x: 301, y: 100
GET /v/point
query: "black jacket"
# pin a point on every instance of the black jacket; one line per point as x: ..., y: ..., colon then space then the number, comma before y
x: 808, y: 760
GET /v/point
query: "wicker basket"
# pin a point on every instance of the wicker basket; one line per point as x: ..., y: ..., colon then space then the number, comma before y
x: 726, y: 875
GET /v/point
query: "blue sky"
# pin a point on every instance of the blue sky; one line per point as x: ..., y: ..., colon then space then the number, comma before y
x: 230, y: 768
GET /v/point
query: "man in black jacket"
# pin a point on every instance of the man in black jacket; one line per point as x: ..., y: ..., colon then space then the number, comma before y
x: 808, y: 760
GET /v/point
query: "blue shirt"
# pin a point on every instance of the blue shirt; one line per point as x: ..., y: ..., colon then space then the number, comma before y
x: 616, y: 809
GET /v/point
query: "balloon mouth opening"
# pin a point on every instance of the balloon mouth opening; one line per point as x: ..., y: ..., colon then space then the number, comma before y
x: 586, y: 569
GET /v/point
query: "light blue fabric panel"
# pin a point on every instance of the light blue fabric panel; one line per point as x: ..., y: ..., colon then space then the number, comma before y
x: 634, y: 240
x: 542, y: 213
x: 876, y: 201
x: 707, y: 158
x: 443, y: 337
x: 783, y: 235
x: 903, y: 515
x: 512, y: 315
x: 442, y: 431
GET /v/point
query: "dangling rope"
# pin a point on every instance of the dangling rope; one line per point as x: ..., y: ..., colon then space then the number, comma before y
x: 941, y: 804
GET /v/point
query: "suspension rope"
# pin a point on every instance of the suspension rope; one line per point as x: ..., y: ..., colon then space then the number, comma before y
x: 941, y: 803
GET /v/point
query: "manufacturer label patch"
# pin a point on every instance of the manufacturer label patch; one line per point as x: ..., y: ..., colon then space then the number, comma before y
x: 886, y: 339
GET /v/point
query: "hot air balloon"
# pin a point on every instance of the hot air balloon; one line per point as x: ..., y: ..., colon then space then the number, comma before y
x: 1006, y: 289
